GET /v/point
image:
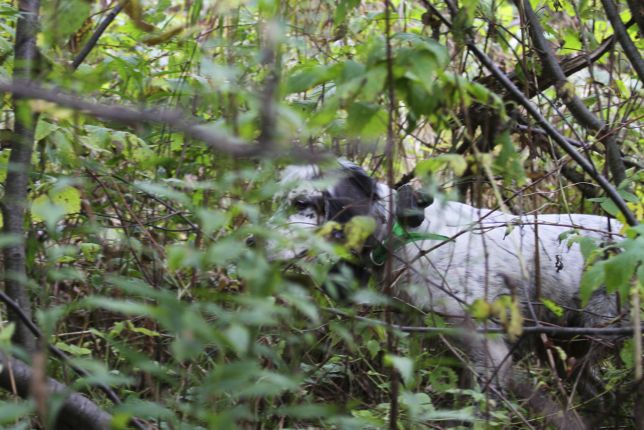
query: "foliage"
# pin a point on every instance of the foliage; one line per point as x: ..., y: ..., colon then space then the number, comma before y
x: 136, y: 233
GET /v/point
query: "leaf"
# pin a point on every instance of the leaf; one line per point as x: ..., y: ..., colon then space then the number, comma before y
x: 163, y: 37
x: 403, y: 365
x: 480, y: 309
x: 53, y: 207
x: 367, y: 120
x: 239, y: 338
x: 307, y: 78
x: 618, y: 271
x: 552, y: 307
x: 73, y: 349
x: 432, y: 165
x: 590, y: 281
x: 44, y: 129
x: 357, y: 230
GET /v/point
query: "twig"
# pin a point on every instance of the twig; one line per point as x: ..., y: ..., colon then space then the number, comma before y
x: 97, y: 34
x: 629, y: 48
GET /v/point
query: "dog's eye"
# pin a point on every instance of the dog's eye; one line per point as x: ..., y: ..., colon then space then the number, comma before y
x: 301, y: 204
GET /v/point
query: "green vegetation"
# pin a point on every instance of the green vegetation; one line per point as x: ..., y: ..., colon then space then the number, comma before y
x: 148, y: 162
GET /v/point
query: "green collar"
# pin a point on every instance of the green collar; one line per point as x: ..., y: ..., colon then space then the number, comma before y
x: 399, y: 238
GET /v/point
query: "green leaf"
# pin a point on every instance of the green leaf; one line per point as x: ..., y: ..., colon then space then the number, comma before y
x: 592, y: 278
x: 367, y: 120
x: 44, y: 129
x: 403, y: 365
x: 57, y: 204
x: 552, y: 307
x: 618, y: 271
x: 73, y: 349
x: 305, y: 79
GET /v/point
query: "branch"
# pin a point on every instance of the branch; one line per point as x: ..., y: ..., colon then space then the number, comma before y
x: 575, y: 331
x: 61, y: 355
x: 77, y: 411
x: 212, y: 138
x: 514, y: 92
x: 622, y: 36
x: 566, y: 93
x: 611, y: 192
x: 97, y: 34
x: 16, y: 183
x: 637, y: 12
x: 545, y: 80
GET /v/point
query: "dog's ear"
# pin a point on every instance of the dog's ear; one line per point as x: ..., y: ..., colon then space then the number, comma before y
x: 352, y: 195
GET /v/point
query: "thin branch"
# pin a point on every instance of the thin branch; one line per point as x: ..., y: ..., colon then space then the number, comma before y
x: 97, y: 34
x: 77, y: 410
x: 392, y: 346
x: 632, y: 53
x: 452, y: 331
x: 566, y: 93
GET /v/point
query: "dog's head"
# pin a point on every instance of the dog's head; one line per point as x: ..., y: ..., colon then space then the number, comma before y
x: 313, y: 196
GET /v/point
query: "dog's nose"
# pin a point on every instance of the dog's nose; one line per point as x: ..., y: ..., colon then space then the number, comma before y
x: 251, y: 241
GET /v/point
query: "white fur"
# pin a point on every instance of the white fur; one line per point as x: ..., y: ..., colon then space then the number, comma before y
x: 489, y: 254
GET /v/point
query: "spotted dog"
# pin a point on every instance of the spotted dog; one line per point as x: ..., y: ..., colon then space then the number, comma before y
x: 453, y: 255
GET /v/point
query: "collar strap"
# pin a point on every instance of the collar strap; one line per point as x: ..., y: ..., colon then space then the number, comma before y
x: 398, y: 239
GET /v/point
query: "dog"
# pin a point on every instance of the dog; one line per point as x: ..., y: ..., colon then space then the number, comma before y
x: 451, y: 256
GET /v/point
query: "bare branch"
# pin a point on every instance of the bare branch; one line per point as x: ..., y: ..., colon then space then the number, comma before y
x: 540, y: 329
x: 574, y: 104
x: 545, y: 80
x: 628, y: 46
x: 514, y: 92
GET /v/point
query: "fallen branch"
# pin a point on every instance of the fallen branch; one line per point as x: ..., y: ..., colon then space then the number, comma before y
x: 77, y: 412
x: 15, y: 307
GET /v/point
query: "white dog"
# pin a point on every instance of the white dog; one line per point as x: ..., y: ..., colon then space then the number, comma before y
x: 486, y: 255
